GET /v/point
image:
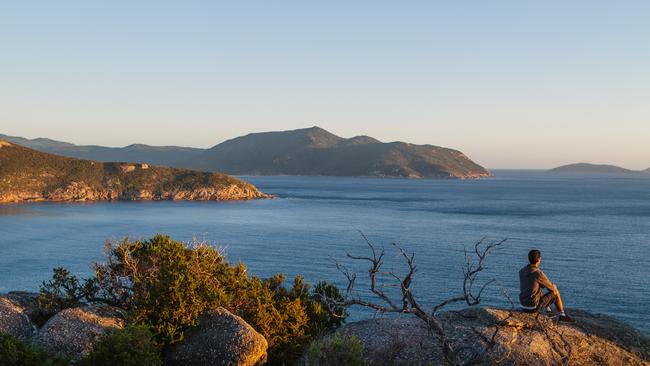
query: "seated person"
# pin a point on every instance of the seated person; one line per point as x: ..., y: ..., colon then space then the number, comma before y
x: 531, y: 282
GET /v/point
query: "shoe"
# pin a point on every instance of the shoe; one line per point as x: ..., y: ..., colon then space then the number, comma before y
x: 566, y: 319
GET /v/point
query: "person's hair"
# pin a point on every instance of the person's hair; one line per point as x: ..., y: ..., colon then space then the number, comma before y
x: 534, y: 255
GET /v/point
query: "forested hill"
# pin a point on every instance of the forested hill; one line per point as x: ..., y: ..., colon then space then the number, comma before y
x: 30, y: 175
x: 315, y: 151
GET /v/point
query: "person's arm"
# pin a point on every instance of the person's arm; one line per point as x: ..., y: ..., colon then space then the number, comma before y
x: 545, y: 282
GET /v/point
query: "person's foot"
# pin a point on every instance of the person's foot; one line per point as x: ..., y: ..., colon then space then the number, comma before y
x: 566, y: 319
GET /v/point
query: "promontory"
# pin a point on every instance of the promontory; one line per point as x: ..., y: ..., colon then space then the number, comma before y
x: 30, y: 175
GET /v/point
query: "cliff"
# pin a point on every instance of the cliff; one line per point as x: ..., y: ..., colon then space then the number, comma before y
x: 29, y: 175
x: 314, y: 151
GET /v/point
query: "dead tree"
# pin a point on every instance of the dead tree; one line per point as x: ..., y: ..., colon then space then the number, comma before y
x: 407, y: 302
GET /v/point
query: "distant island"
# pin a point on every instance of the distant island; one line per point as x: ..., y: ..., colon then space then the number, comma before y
x: 309, y: 151
x: 30, y: 175
x: 595, y: 168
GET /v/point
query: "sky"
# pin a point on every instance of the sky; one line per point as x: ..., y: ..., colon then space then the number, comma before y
x: 513, y: 84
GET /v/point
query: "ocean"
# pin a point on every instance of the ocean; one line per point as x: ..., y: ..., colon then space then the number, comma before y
x: 593, y: 231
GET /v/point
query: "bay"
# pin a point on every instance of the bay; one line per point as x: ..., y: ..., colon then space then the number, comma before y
x: 593, y: 231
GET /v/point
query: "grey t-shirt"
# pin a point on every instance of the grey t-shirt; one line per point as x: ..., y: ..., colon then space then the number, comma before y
x: 531, y: 282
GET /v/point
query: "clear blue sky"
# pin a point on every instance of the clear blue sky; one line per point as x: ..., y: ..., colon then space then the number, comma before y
x: 511, y: 83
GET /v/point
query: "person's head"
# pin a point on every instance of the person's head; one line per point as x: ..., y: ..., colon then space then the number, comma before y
x: 534, y: 257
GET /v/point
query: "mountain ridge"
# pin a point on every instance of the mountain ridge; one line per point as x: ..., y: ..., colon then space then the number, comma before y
x: 307, y: 151
x: 137, y: 152
x: 315, y: 151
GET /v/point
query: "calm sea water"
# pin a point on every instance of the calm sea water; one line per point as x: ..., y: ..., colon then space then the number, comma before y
x: 593, y: 231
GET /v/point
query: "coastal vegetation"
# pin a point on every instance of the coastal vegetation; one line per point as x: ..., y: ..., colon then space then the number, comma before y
x: 16, y: 352
x: 165, y: 286
x: 30, y: 175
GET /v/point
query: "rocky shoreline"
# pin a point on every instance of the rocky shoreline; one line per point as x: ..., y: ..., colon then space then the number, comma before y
x: 80, y: 192
x: 224, y: 338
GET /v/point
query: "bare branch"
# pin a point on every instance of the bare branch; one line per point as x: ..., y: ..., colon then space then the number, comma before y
x: 408, y: 303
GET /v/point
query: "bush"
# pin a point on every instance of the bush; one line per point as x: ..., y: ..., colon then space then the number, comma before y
x: 336, y: 350
x: 131, y: 346
x: 166, y: 286
x: 15, y: 352
x: 61, y: 292
x: 279, y: 315
x: 289, y: 318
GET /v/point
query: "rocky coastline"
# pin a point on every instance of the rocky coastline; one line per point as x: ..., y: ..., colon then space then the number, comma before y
x: 220, y: 337
x: 81, y: 192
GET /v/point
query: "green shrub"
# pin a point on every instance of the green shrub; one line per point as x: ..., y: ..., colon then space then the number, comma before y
x: 335, y: 350
x: 288, y: 318
x: 15, y: 352
x: 166, y: 286
x: 61, y: 292
x: 279, y: 315
x: 131, y: 346
x: 163, y: 283
x: 321, y: 319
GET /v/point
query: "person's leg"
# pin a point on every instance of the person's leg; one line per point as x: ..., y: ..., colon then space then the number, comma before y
x: 559, y: 305
x: 546, y: 301
x: 554, y: 298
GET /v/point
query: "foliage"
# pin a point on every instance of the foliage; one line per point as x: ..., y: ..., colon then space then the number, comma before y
x: 323, y: 319
x: 15, y: 352
x: 289, y: 318
x: 163, y: 284
x: 131, y: 346
x: 61, y: 292
x: 335, y: 350
x: 167, y: 285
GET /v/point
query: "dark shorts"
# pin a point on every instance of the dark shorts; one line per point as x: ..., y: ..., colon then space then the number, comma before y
x: 547, y: 300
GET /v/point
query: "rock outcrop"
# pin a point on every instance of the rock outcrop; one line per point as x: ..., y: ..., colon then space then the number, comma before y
x: 29, y: 175
x: 220, y: 339
x: 28, y: 301
x: 73, y: 331
x: 15, y: 318
x: 522, y: 339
